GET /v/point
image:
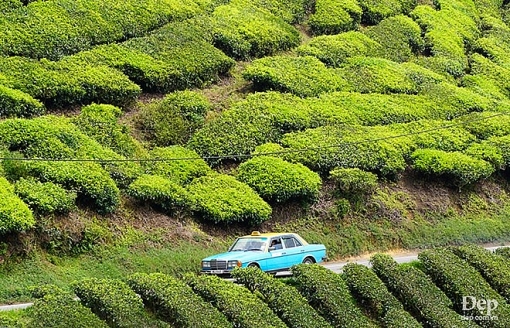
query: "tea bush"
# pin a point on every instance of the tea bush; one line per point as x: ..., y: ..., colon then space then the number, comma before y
x: 284, y: 300
x: 494, y: 268
x: 176, y: 163
x: 504, y: 252
x: 487, y: 152
x: 419, y: 295
x: 333, y: 50
x: 460, y: 168
x: 60, y: 310
x: 174, y: 119
x: 486, y: 124
x: 302, y: 76
x: 277, y: 180
x: 373, y: 295
x: 353, y: 180
x: 45, y: 198
x: 222, y: 199
x: 15, y: 215
x: 482, y: 66
x: 458, y: 279
x: 238, y: 304
x: 291, y: 11
x: 16, y: 103
x: 334, y: 16
x: 327, y: 292
x: 158, y: 190
x: 399, y: 36
x: 175, y: 302
x: 243, y: 31
x: 114, y: 302
x: 376, y: 11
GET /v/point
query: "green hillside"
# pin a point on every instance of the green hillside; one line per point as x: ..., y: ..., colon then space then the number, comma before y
x: 143, y: 135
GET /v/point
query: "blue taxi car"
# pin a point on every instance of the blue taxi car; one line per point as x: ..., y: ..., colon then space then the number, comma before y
x: 271, y: 252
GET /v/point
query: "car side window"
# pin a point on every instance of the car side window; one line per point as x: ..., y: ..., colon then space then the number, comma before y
x: 289, y: 242
x: 297, y: 242
x: 276, y: 243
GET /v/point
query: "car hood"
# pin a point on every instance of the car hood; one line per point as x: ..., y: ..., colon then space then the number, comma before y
x: 235, y: 255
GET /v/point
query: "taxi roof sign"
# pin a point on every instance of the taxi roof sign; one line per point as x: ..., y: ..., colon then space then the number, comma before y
x: 256, y: 233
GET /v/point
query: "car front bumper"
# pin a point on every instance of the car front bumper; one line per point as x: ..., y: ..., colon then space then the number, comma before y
x: 217, y: 272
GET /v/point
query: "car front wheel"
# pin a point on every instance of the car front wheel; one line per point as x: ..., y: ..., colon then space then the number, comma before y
x: 253, y: 265
x: 308, y: 260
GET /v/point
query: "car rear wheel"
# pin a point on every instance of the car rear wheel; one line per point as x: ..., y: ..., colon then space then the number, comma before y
x: 308, y: 260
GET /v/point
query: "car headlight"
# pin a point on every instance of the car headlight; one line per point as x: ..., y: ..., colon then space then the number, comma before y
x: 233, y: 264
x: 206, y: 264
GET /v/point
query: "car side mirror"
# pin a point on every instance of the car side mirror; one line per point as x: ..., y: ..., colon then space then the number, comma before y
x: 272, y: 248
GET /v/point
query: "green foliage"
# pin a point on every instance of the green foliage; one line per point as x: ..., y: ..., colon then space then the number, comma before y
x: 65, y: 83
x: 114, y: 302
x: 221, y: 198
x: 504, y: 252
x: 424, y: 300
x: 243, y: 30
x: 284, y: 300
x: 502, y: 144
x: 14, y: 213
x: 487, y: 152
x: 174, y: 119
x: 486, y: 124
x: 373, y: 295
x: 9, y: 5
x: 277, y: 180
x: 302, y: 76
x: 292, y: 11
x: 45, y: 198
x: 490, y: 72
x: 15, y: 103
x: 238, y: 304
x: 100, y: 122
x: 60, y: 310
x: 462, y: 169
x: 174, y: 301
x: 399, y: 36
x: 52, y: 29
x: 353, y: 180
x: 384, y: 153
x: 268, y: 149
x: 158, y: 190
x: 457, y: 279
x: 376, y: 11
x: 494, y: 268
x: 179, y: 164
x: 327, y: 292
x: 335, y: 16
x: 333, y: 50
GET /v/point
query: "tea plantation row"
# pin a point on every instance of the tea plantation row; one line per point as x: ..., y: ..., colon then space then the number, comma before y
x: 428, y: 293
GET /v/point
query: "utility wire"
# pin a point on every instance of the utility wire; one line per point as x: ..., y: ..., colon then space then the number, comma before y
x: 236, y: 156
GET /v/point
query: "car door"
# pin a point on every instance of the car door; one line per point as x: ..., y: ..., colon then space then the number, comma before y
x: 277, y: 258
x: 293, y: 249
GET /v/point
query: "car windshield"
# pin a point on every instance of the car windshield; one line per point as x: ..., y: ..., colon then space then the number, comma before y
x: 248, y: 244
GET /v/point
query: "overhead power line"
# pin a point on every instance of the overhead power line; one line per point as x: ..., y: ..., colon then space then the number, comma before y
x: 239, y: 156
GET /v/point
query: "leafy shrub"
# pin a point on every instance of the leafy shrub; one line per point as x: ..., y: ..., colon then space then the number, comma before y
x: 45, y: 198
x: 268, y: 149
x: 60, y: 310
x: 457, y: 279
x: 354, y: 180
x: 381, y: 153
x: 334, y: 16
x: 399, y: 36
x: 221, y: 198
x: 14, y: 214
x: 100, y: 122
x: 504, y: 252
x: 461, y: 168
x: 486, y: 124
x: 376, y: 11
x: 284, y: 300
x: 484, y: 67
x: 158, y: 190
x: 176, y: 163
x: 114, y: 302
x: 327, y: 292
x: 424, y: 300
x: 174, y: 301
x: 174, y: 119
x: 494, y: 268
x: 371, y: 292
x: 66, y: 83
x: 48, y: 29
x: 487, y: 152
x: 237, y: 303
x: 243, y: 30
x: 9, y: 5
x: 292, y: 11
x: 277, y: 180
x: 18, y: 103
x: 333, y: 50
x: 302, y: 76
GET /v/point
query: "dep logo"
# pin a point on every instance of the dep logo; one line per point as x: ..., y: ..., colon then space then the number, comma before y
x: 485, y: 307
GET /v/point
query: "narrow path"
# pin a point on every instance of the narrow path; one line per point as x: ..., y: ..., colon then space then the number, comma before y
x: 333, y: 266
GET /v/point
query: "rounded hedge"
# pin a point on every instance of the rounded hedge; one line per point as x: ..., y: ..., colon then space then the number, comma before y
x: 353, y: 180
x: 158, y: 190
x: 277, y: 180
x: 15, y: 215
x: 45, y: 197
x: 222, y: 199
x: 335, y: 16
